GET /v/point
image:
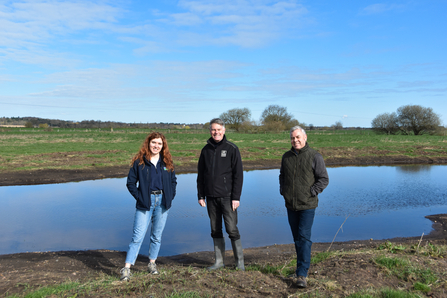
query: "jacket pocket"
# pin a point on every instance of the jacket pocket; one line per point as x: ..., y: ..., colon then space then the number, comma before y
x: 139, y: 196
x: 225, y: 184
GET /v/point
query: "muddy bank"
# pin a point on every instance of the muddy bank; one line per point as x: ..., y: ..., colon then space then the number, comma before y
x: 21, y: 270
x: 9, y: 178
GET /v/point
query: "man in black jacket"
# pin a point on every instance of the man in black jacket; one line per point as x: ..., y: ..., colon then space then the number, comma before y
x: 302, y: 177
x: 219, y: 182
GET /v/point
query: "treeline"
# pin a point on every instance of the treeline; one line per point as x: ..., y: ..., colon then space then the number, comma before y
x: 56, y: 123
x: 409, y: 120
x: 274, y: 118
x: 247, y: 127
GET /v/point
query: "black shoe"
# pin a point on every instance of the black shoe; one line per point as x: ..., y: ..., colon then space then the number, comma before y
x: 301, y: 282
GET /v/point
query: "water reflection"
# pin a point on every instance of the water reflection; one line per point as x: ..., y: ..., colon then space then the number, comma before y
x: 381, y: 202
x: 414, y: 168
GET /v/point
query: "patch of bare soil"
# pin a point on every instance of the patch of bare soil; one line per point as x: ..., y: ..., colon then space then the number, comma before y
x: 93, y: 172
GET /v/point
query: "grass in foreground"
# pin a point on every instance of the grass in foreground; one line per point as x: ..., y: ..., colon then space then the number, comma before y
x: 411, y: 272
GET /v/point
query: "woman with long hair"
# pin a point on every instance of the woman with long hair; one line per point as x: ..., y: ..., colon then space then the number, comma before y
x: 152, y: 183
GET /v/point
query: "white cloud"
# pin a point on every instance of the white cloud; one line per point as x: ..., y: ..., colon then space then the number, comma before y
x: 35, y: 31
x: 59, y: 16
x: 181, y: 81
x: 241, y: 23
x: 170, y: 80
x: 36, y: 55
x: 185, y: 19
x: 145, y: 46
x: 30, y: 30
x: 6, y: 78
x: 379, y: 8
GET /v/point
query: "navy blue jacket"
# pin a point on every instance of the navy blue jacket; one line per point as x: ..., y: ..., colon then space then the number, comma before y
x: 141, y: 174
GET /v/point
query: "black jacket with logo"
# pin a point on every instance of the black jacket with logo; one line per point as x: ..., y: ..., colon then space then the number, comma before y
x: 220, y: 172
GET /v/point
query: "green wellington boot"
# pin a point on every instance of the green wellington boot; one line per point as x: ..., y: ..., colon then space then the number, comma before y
x: 219, y: 251
x: 238, y: 254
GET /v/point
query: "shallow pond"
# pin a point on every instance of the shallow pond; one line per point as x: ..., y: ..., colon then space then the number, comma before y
x: 378, y: 202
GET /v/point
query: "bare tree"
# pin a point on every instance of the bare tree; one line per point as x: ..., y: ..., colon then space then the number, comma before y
x: 338, y: 125
x: 235, y: 117
x: 278, y: 117
x: 417, y: 119
x: 385, y: 123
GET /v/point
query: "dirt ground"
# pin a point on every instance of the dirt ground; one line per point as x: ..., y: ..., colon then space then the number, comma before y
x: 48, y: 176
x: 337, y: 275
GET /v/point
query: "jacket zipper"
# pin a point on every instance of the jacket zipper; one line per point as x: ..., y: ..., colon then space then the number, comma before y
x: 214, y: 166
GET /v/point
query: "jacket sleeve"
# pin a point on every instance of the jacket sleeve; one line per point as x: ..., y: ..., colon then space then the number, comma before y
x: 321, y: 175
x: 238, y: 176
x: 174, y: 184
x: 281, y: 176
x: 132, y: 179
x: 200, y: 177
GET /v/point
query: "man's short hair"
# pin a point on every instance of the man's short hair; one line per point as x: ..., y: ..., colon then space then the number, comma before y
x: 217, y: 121
x: 297, y: 127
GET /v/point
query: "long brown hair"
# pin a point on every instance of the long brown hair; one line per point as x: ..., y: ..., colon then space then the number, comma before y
x: 144, y: 151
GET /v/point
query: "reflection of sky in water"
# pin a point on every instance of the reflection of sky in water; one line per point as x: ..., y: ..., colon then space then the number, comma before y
x: 381, y: 202
x: 363, y: 191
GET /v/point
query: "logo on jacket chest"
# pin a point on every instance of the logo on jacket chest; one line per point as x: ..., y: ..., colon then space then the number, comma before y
x: 223, y: 153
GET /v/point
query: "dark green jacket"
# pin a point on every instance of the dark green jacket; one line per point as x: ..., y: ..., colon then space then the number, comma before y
x: 302, y: 177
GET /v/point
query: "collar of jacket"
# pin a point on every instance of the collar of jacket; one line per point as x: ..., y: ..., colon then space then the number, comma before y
x: 214, y: 144
x: 301, y: 150
x: 148, y: 162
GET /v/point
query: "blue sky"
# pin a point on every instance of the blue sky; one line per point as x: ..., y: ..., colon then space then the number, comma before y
x: 189, y: 61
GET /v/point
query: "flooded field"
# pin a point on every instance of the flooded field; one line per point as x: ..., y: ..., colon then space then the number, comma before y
x: 378, y: 202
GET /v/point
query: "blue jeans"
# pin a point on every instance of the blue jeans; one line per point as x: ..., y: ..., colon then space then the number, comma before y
x: 219, y: 208
x: 156, y: 216
x: 301, y: 225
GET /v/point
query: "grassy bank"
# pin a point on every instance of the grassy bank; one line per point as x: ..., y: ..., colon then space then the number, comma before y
x: 30, y: 149
x: 386, y: 270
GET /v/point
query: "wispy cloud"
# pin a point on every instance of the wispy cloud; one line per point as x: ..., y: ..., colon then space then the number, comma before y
x: 379, y: 8
x: 30, y: 28
x: 242, y: 23
x: 170, y: 80
x: 40, y: 21
x: 35, y: 31
x: 6, y: 78
x: 180, y: 81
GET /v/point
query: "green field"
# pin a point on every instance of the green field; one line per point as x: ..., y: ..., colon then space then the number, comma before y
x: 28, y: 149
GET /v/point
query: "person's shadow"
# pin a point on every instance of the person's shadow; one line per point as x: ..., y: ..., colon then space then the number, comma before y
x: 110, y: 262
x: 106, y: 262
